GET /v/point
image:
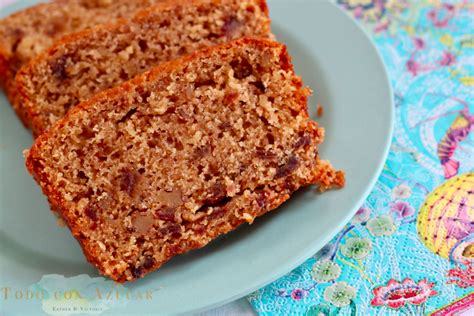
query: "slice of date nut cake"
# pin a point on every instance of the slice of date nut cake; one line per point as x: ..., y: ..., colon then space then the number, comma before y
x: 181, y: 154
x: 82, y: 64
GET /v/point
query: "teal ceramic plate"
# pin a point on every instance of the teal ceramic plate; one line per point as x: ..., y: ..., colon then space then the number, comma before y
x: 339, y: 62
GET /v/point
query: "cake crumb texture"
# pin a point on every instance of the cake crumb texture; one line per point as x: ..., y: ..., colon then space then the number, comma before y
x: 181, y: 154
x: 27, y: 33
x: 82, y: 64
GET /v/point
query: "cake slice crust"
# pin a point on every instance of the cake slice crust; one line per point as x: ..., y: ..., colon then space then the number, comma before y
x: 82, y: 64
x: 186, y: 152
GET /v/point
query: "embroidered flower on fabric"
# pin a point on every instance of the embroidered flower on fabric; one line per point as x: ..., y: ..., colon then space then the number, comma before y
x: 396, y: 294
x: 325, y: 271
x: 381, y: 226
x: 402, y: 209
x: 340, y: 294
x: 298, y: 294
x: 356, y: 248
x: 401, y: 192
x: 464, y: 278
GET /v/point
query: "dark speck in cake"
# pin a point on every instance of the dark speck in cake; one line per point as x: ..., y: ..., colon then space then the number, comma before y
x: 91, y: 212
x: 58, y: 68
x: 242, y: 68
x: 216, y: 194
x: 303, y: 141
x: 286, y: 169
x: 148, y: 262
x: 231, y: 24
x: 166, y: 214
x: 128, y: 181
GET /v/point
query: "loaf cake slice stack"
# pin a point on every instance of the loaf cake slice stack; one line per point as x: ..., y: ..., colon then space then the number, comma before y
x: 181, y: 154
x: 25, y: 34
x: 82, y: 64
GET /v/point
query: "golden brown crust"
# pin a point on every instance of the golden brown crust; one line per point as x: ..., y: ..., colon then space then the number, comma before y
x: 3, y: 69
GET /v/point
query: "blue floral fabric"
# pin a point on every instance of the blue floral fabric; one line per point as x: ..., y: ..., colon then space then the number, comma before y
x: 410, y: 248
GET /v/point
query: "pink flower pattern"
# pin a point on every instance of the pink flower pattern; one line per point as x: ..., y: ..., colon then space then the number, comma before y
x: 464, y: 278
x: 396, y: 294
